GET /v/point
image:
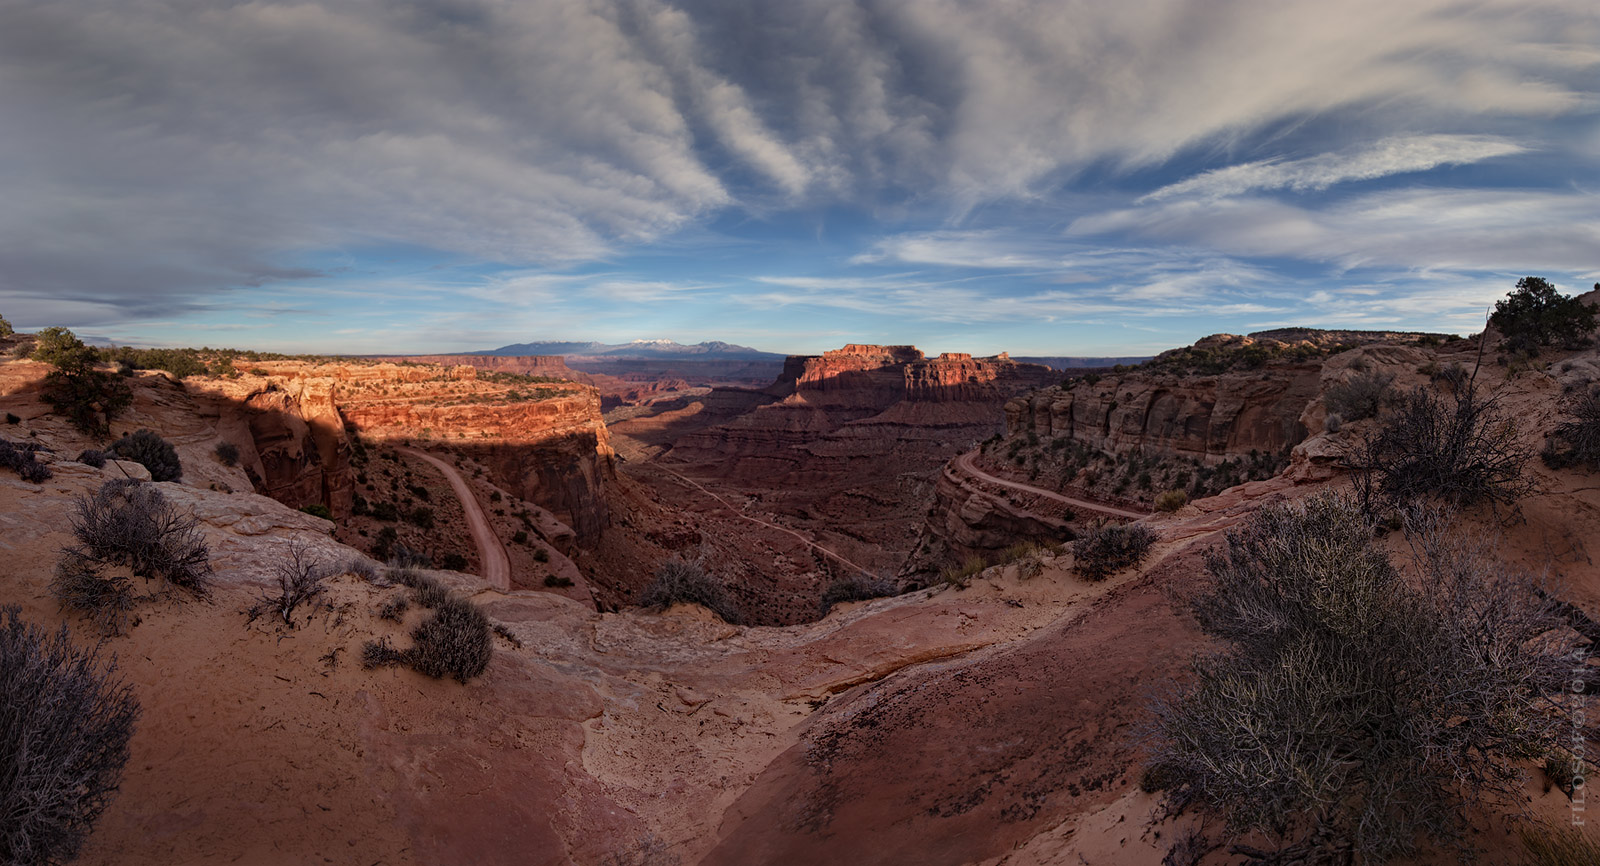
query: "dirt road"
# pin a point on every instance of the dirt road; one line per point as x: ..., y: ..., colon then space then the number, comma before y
x: 491, y: 552
x: 966, y: 465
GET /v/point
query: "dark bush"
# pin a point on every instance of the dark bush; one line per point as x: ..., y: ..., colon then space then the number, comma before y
x: 541, y: 555
x: 520, y: 537
x: 93, y: 457
x: 147, y: 448
x: 21, y: 458
x: 1576, y: 440
x: 65, y: 721
x: 395, y: 608
x: 130, y: 523
x: 227, y: 452
x: 385, y: 511
x: 856, y: 587
x: 1351, y: 713
x: 426, y: 590
x: 1109, y: 549
x: 455, y: 641
x: 1359, y: 397
x: 1458, y: 449
x: 5, y: 328
x: 317, y: 509
x: 1535, y: 315
x: 555, y: 582
x: 99, y: 594
x: 89, y: 398
x: 422, y: 517
x: 679, y: 581
x: 454, y: 562
x: 299, y: 575
x: 1171, y: 500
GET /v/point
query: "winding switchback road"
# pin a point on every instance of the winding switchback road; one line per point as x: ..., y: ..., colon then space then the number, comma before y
x: 966, y: 465
x: 491, y: 552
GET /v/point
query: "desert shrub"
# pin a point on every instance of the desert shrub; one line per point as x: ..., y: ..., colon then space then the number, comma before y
x: 5, y: 328
x: 1171, y: 500
x: 1333, y: 423
x: 1351, y: 713
x: 555, y: 582
x: 22, y: 459
x: 1109, y: 549
x: 422, y: 516
x: 362, y: 567
x: 541, y: 555
x: 680, y: 581
x: 1564, y: 770
x: 1360, y: 396
x: 299, y: 574
x: 130, y: 523
x: 454, y: 641
x: 88, y: 398
x: 147, y: 448
x: 1562, y: 846
x: 1459, y: 449
x: 383, y: 546
x: 405, y: 557
x: 960, y: 575
x: 93, y: 457
x: 519, y: 537
x: 65, y: 721
x: 856, y: 587
x: 395, y: 608
x: 317, y: 509
x: 426, y: 590
x: 1576, y: 440
x: 102, y: 596
x: 227, y: 453
x: 385, y: 511
x: 454, y: 562
x: 1535, y: 315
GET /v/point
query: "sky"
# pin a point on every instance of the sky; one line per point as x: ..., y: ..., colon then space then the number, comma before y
x: 1075, y: 177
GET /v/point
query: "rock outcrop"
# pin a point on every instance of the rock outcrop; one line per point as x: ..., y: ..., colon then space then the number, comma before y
x: 1210, y: 418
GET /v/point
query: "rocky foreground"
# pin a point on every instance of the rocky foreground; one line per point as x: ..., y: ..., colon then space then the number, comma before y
x: 992, y: 724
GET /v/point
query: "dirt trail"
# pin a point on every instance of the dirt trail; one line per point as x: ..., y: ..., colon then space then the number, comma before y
x: 491, y: 552
x: 966, y: 465
x: 801, y: 538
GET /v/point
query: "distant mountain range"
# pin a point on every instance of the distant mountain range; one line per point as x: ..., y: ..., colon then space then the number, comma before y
x: 639, y: 350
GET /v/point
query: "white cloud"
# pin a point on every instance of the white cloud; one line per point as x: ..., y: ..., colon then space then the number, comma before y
x: 1390, y: 156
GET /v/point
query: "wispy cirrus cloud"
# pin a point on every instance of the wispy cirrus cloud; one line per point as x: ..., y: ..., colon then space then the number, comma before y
x: 1391, y: 156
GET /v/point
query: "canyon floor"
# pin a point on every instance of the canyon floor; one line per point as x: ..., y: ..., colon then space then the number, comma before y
x: 992, y: 724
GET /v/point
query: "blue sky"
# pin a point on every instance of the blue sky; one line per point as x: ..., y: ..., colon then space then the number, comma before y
x: 1067, y: 177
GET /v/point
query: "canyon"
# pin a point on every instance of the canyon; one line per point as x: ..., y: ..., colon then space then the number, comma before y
x: 981, y: 722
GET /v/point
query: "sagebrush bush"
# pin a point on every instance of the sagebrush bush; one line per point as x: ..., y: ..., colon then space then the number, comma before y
x: 1576, y: 440
x: 22, y: 459
x: 147, y: 448
x: 65, y: 721
x: 93, y: 457
x: 99, y: 594
x: 1459, y: 449
x: 130, y: 523
x: 1109, y: 549
x: 1351, y: 713
x: 680, y: 581
x: 856, y: 587
x: 1359, y: 397
x: 395, y: 608
x: 227, y: 453
x: 454, y: 641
